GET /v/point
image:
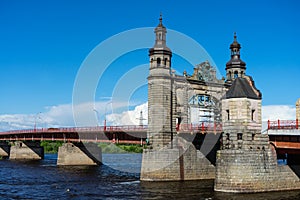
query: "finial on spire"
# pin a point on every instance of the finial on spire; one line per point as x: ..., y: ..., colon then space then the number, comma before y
x: 160, y: 18
x: 234, y: 36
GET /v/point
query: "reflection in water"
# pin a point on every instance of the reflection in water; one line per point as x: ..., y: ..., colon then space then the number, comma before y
x: 44, y: 180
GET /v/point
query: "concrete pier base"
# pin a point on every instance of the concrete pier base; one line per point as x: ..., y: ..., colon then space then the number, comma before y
x: 182, y: 162
x: 79, y: 154
x: 4, y: 149
x: 26, y: 150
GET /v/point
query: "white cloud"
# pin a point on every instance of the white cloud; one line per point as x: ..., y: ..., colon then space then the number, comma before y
x: 131, y: 117
x: 275, y: 112
x: 117, y: 113
x: 88, y: 114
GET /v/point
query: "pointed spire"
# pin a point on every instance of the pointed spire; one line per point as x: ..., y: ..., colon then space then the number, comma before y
x: 160, y: 35
x: 160, y: 19
x: 235, y: 45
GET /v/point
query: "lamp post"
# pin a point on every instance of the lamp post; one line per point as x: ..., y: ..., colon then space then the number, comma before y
x: 97, y: 114
x: 105, y: 113
x: 36, y: 116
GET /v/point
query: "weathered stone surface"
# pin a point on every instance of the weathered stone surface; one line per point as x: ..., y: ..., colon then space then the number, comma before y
x: 182, y: 162
x: 247, y: 162
x: 243, y: 171
x: 170, y: 159
x: 79, y: 154
x: 4, y: 149
x: 28, y: 150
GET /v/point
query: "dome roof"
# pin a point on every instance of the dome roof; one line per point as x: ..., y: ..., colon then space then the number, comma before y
x: 235, y: 43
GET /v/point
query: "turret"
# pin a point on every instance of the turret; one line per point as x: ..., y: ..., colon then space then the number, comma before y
x: 235, y: 67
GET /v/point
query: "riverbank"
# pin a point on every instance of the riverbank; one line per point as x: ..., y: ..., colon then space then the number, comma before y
x: 52, y: 147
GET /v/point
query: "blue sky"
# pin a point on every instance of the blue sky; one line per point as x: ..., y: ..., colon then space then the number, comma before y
x: 43, y: 44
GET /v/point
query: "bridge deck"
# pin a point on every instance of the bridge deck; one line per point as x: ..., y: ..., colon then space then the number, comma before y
x: 121, y: 134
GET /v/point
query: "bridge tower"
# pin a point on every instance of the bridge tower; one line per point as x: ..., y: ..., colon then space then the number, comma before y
x: 235, y: 67
x: 160, y: 96
x: 247, y: 162
x: 169, y: 157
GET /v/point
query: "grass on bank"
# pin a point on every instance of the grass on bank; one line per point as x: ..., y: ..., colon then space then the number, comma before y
x: 121, y: 148
x: 52, y: 147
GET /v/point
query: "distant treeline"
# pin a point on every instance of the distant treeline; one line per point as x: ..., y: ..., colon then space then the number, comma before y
x: 52, y: 147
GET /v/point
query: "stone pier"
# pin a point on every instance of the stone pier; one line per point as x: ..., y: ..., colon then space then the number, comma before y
x: 182, y: 162
x: 79, y: 154
x: 4, y: 149
x: 26, y: 150
x: 247, y: 162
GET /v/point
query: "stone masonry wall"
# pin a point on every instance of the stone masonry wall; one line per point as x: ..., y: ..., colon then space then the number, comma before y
x: 247, y: 162
x: 183, y: 162
x: 252, y: 171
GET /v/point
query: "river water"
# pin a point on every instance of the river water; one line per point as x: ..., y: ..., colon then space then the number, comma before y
x: 44, y: 180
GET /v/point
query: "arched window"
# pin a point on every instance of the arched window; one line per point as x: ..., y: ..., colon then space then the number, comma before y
x: 158, y: 61
x: 236, y: 74
x: 229, y: 74
x: 165, y: 61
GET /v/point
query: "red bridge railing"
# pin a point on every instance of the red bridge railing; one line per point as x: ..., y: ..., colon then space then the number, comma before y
x: 215, y: 127
x: 78, y: 129
x: 283, y: 124
x: 202, y: 127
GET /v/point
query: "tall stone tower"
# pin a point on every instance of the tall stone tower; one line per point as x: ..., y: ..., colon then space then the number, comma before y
x: 169, y: 157
x: 160, y: 95
x: 247, y: 162
x: 235, y: 67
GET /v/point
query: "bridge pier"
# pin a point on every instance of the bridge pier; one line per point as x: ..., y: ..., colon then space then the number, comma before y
x: 79, y: 154
x: 247, y: 163
x: 4, y: 149
x: 26, y: 150
x: 181, y: 162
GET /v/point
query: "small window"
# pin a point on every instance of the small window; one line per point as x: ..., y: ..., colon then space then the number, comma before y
x: 236, y: 74
x: 252, y: 115
x: 227, y: 137
x: 253, y: 136
x: 165, y: 63
x: 158, y: 61
x: 159, y: 36
x: 240, y: 136
x: 228, y: 115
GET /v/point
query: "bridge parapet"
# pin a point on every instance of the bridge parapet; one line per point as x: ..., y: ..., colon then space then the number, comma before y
x: 283, y: 124
x: 204, y: 127
x: 295, y: 132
